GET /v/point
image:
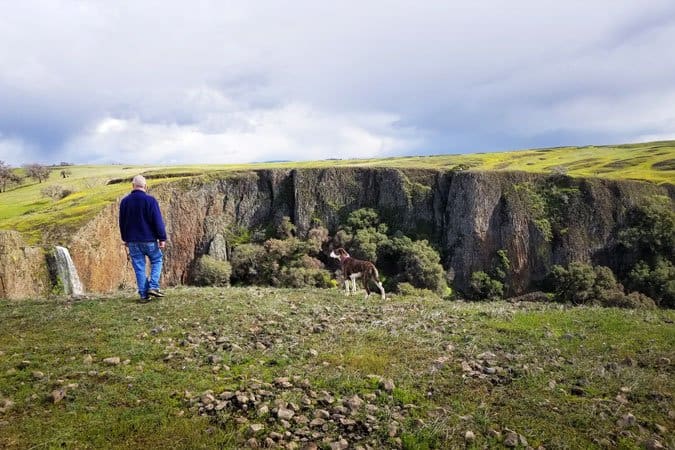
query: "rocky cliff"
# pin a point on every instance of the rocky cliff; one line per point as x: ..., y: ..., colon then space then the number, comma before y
x: 468, y: 216
x: 23, y: 269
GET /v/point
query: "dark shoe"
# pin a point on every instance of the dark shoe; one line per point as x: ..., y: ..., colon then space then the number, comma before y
x: 144, y: 300
x: 155, y: 293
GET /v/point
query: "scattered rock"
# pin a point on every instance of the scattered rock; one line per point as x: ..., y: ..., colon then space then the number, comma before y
x: 214, y: 359
x: 87, y: 360
x: 253, y: 443
x: 388, y: 385
x: 626, y: 421
x: 113, y: 361
x: 23, y: 364
x: 660, y: 429
x: 469, y: 436
x: 355, y: 402
x: 487, y: 356
x: 342, y: 444
x: 511, y: 439
x: 654, y: 444
x: 37, y: 375
x: 57, y: 395
x: 318, y: 422
x: 255, y: 428
x: 5, y: 405
x: 629, y: 362
x: 578, y: 391
x: 285, y: 414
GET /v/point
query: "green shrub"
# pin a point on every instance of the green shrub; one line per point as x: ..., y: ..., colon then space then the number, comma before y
x: 484, y: 287
x: 297, y: 277
x: 410, y: 290
x: 503, y: 266
x: 658, y: 282
x: 209, y: 271
x: 249, y: 264
x: 366, y: 242
x: 634, y: 300
x: 363, y: 234
x: 414, y: 262
x: 581, y: 283
x: 573, y: 284
x: 317, y: 236
x: 650, y: 229
x: 362, y: 218
x: 285, y: 229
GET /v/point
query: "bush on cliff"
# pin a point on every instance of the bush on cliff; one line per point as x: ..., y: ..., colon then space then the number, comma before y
x: 280, y: 262
x: 658, y: 282
x: 582, y: 283
x: 209, y: 271
x: 248, y: 263
x: 647, y: 243
x: 484, y: 287
x: 415, y: 262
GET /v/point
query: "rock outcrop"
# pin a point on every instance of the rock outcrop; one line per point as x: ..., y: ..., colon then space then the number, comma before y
x: 467, y: 215
x: 23, y: 269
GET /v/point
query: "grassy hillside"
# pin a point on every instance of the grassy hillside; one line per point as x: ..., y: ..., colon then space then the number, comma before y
x: 214, y: 368
x: 26, y: 210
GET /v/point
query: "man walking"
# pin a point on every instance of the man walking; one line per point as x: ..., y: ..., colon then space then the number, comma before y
x: 143, y: 232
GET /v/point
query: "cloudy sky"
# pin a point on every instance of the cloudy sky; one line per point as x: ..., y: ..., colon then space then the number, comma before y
x: 222, y: 81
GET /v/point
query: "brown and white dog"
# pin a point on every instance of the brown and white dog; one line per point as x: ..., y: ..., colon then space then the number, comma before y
x: 353, y: 268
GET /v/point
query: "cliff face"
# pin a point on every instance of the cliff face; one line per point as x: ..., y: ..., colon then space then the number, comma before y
x: 468, y: 216
x: 23, y: 269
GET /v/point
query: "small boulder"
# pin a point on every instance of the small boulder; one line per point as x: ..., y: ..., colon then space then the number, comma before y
x: 511, y: 439
x: 113, y: 361
x: 388, y: 385
x: 285, y: 414
x: 57, y: 395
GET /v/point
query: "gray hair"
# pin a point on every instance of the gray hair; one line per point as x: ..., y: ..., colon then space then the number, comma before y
x: 139, y: 181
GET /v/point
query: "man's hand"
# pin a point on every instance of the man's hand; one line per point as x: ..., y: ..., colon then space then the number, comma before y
x: 162, y: 244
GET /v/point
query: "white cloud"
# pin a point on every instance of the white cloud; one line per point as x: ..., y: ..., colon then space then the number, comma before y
x: 293, y: 132
x: 287, y: 77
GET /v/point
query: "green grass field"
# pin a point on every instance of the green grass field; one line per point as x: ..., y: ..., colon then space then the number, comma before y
x: 425, y: 371
x: 24, y: 208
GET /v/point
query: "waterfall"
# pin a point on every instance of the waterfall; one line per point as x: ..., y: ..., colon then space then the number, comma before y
x: 67, y: 272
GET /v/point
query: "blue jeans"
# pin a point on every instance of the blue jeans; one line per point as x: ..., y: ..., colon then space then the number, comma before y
x: 138, y: 251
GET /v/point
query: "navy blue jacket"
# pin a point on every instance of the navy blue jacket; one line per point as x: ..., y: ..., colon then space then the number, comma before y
x: 141, y: 219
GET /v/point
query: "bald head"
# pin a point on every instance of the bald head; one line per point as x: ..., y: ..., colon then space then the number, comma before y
x: 139, y: 182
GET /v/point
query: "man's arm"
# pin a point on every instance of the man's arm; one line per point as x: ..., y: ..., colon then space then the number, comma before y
x: 123, y: 221
x: 158, y: 224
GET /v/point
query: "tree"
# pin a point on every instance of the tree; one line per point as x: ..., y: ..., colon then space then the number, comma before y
x: 37, y: 171
x: 650, y: 230
x: 65, y: 173
x: 7, y: 176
